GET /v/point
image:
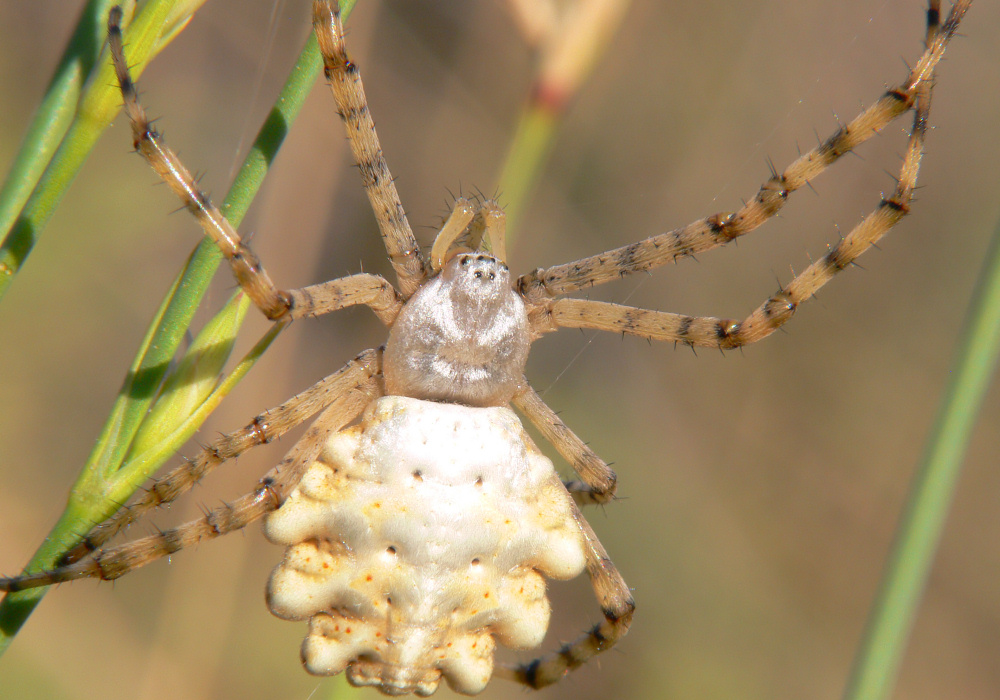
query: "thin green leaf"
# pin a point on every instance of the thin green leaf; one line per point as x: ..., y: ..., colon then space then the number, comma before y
x: 159, y: 346
x: 47, y: 175
x: 55, y: 112
x: 195, y: 377
x: 179, y: 427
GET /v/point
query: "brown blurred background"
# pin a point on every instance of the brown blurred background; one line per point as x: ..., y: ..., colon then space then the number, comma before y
x: 759, y: 490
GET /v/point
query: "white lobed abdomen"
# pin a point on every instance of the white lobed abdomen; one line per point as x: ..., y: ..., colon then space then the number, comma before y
x: 417, y: 538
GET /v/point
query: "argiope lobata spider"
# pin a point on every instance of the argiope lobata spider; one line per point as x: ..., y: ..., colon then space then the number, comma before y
x: 577, y: 307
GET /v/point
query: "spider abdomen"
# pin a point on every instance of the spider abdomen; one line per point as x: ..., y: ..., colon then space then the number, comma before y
x: 416, y: 539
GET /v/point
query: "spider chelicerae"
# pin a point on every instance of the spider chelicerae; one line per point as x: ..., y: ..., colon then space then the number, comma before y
x: 545, y: 312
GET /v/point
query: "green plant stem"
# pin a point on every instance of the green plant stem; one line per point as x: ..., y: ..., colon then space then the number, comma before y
x: 97, y: 106
x: 54, y: 114
x: 90, y: 505
x: 568, y: 53
x: 877, y: 664
x: 528, y: 153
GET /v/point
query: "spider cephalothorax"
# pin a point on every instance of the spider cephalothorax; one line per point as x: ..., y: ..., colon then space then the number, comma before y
x: 462, y: 337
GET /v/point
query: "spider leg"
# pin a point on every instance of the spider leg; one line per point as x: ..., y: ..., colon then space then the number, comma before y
x: 719, y: 229
x: 617, y: 606
x: 349, y: 93
x: 598, y: 477
x: 777, y: 309
x: 725, y: 334
x: 274, y: 303
x: 371, y: 290
x: 270, y: 493
x: 583, y: 494
x: 266, y: 427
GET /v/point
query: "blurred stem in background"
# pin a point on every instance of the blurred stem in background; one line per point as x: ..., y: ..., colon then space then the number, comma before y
x: 877, y: 663
x: 570, y: 40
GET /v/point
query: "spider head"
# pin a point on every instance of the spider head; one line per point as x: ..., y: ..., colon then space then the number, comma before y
x: 476, y: 280
x: 462, y: 337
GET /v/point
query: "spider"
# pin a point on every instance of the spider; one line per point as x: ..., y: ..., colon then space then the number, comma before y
x: 544, y: 312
